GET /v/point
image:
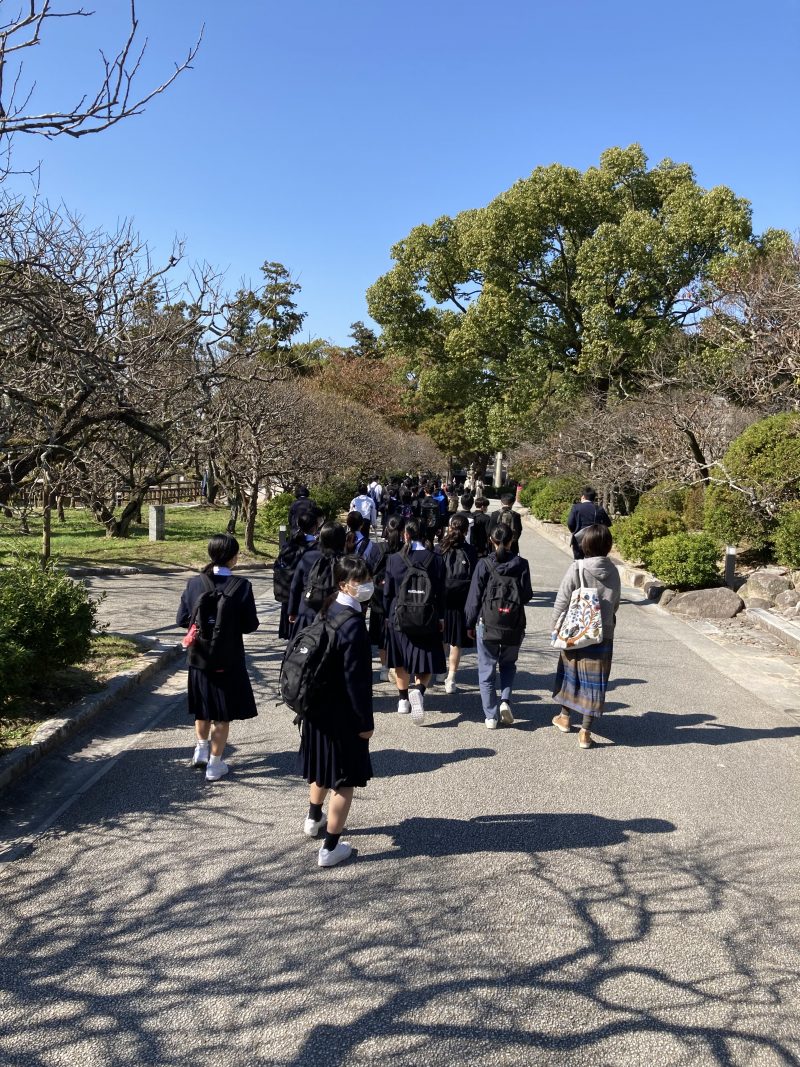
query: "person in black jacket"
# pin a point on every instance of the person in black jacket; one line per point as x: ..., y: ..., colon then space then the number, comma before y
x: 584, y: 514
x: 218, y: 697
x: 334, y: 751
x: 492, y: 653
x: 304, y: 540
x: 506, y: 516
x: 331, y: 544
x: 460, y: 560
x: 303, y: 505
x: 417, y: 657
x: 481, y: 527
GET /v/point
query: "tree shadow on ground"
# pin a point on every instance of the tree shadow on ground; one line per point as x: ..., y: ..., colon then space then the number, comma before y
x: 660, y: 728
x: 395, y: 762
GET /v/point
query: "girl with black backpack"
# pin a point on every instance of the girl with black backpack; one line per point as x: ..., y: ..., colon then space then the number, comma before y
x: 217, y: 609
x: 495, y: 612
x: 414, y: 603
x: 334, y: 748
x: 460, y: 560
x: 392, y: 542
x: 313, y: 581
x: 287, y: 562
x: 358, y: 542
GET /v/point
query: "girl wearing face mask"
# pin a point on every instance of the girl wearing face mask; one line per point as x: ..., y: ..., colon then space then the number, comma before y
x: 334, y: 753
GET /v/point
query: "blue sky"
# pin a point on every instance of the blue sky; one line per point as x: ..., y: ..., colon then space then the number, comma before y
x: 318, y: 133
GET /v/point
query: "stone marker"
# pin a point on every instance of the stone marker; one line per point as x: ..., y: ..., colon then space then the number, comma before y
x: 156, y: 522
x: 720, y: 603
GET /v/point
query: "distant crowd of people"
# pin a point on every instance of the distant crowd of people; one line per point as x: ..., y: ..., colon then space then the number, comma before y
x: 419, y: 572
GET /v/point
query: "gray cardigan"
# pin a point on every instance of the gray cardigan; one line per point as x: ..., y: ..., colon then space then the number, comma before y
x: 599, y: 573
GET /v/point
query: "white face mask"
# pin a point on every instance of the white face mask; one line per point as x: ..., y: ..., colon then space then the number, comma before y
x: 364, y: 591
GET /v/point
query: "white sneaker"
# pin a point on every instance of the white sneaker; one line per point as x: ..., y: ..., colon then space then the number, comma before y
x: 330, y: 857
x: 403, y: 707
x: 491, y: 724
x: 505, y: 713
x: 384, y: 675
x: 216, y: 769
x: 417, y: 707
x: 392, y: 676
x: 450, y: 684
x: 312, y: 827
x: 200, y: 757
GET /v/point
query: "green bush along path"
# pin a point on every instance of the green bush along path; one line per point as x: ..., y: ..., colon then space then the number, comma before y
x: 514, y: 899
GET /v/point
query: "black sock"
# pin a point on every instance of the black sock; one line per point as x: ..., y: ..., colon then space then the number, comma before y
x: 331, y: 841
x: 402, y: 694
x: 421, y: 688
x: 315, y: 812
x: 587, y: 723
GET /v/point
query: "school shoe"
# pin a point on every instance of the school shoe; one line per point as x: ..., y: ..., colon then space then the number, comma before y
x: 417, y: 707
x: 491, y: 724
x: 450, y: 684
x: 505, y: 713
x: 200, y: 757
x: 216, y: 769
x: 330, y: 857
x: 312, y: 827
x: 403, y: 707
x: 585, y: 739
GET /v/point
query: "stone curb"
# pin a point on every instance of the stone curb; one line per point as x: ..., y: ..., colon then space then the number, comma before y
x: 786, y: 631
x: 100, y: 572
x: 54, y: 732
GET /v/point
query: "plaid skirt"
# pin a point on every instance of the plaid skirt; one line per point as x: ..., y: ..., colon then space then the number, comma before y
x: 582, y: 678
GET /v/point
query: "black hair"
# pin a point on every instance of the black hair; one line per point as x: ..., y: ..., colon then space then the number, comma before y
x: 332, y: 537
x: 301, y: 490
x: 589, y: 493
x: 481, y: 502
x: 502, y: 536
x: 306, y: 524
x: 354, y: 526
x: 362, y: 490
x: 456, y: 534
x: 393, y: 533
x: 467, y: 500
x: 413, y: 530
x: 351, y: 567
x: 221, y: 550
x: 507, y: 500
x: 597, y: 541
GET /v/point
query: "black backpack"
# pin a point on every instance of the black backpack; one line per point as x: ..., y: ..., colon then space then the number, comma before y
x: 430, y: 515
x: 305, y: 670
x: 506, y: 518
x: 503, y: 612
x: 320, y: 583
x: 218, y: 635
x: 457, y: 577
x: 284, y: 567
x: 415, y: 605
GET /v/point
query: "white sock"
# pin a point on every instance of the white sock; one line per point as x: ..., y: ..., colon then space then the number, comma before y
x: 215, y: 759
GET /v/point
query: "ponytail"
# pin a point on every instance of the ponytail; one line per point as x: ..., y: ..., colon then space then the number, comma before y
x: 502, y: 537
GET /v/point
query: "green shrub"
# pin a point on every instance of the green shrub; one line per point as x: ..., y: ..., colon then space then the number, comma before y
x: 635, y: 534
x: 728, y: 516
x: 693, y: 507
x: 787, y: 536
x: 686, y: 560
x: 46, y: 622
x: 529, y: 491
x: 333, y: 496
x: 555, y: 498
x: 664, y: 497
x: 275, y: 513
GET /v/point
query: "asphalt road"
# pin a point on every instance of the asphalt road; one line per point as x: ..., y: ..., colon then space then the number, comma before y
x: 514, y: 900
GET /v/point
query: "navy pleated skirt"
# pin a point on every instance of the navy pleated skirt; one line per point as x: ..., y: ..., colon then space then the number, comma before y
x: 455, y: 628
x: 377, y: 628
x: 221, y: 696
x: 413, y: 656
x: 331, y: 761
x: 284, y: 626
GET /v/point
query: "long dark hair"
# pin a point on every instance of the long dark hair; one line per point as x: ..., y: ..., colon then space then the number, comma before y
x: 221, y: 550
x: 332, y: 537
x: 393, y: 534
x: 306, y: 524
x: 502, y: 536
x: 354, y: 526
x: 456, y: 534
x: 412, y: 531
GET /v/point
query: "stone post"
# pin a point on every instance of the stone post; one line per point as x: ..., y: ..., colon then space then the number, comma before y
x: 156, y: 512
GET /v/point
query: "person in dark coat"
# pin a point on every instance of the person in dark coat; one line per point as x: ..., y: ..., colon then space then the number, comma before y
x: 491, y: 654
x: 506, y: 516
x: 481, y: 527
x: 585, y: 513
x: 331, y: 543
x: 302, y: 505
x: 334, y: 747
x: 218, y: 697
x: 466, y: 502
x: 305, y: 540
x: 418, y: 657
x: 391, y: 542
x: 460, y: 560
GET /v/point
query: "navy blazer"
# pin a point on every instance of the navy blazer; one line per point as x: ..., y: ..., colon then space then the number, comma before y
x: 242, y: 598
x: 587, y: 513
x: 515, y: 566
x: 348, y: 692
x: 395, y: 570
x: 297, y: 605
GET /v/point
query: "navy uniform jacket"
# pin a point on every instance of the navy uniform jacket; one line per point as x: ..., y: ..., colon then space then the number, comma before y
x: 481, y: 528
x: 242, y: 598
x: 297, y: 605
x: 587, y: 513
x: 515, y: 566
x: 395, y: 570
x: 348, y: 691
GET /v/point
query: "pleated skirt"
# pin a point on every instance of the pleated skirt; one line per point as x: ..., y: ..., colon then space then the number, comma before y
x: 331, y: 761
x: 414, y: 657
x: 222, y: 696
x: 582, y: 678
x: 284, y: 626
x: 376, y: 627
x: 455, y: 628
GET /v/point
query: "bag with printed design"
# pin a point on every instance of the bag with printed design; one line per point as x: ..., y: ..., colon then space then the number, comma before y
x: 582, y: 623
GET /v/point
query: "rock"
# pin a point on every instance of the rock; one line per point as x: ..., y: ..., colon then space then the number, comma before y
x: 720, y: 603
x: 765, y: 584
x: 789, y: 598
x: 667, y: 596
x: 794, y: 578
x: 759, y: 602
x: 654, y: 590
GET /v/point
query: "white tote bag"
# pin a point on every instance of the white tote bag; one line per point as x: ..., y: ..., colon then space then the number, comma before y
x: 582, y: 623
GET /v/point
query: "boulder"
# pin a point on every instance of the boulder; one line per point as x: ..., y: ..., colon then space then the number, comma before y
x: 765, y: 584
x: 789, y: 598
x: 666, y: 596
x: 759, y: 602
x: 720, y: 603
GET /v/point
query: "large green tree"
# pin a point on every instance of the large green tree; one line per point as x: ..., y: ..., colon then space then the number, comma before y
x: 567, y: 281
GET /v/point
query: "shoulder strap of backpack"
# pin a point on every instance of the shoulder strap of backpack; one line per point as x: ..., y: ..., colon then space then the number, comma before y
x: 231, y: 586
x: 208, y: 581
x: 341, y: 618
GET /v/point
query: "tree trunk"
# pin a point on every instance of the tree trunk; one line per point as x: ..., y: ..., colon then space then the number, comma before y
x: 697, y: 455
x: 250, y: 524
x: 62, y: 518
x: 47, y: 512
x: 132, y: 512
x: 234, y: 505
x: 211, y: 485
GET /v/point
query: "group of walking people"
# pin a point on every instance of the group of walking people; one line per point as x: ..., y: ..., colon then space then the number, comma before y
x: 436, y: 583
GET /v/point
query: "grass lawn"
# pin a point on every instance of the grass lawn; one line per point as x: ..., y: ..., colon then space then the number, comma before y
x: 82, y: 540
x: 109, y: 655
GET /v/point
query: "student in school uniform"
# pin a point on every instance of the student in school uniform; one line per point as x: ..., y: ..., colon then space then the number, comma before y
x: 491, y: 652
x: 303, y: 505
x: 358, y: 543
x: 331, y: 545
x: 460, y: 560
x: 365, y: 505
x: 481, y: 527
x: 431, y: 517
x: 391, y: 542
x: 334, y: 751
x: 220, y: 696
x: 414, y: 658
x: 465, y: 509
x: 506, y: 516
x: 301, y: 542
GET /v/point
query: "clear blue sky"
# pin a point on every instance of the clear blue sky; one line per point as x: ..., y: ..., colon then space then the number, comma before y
x: 318, y: 132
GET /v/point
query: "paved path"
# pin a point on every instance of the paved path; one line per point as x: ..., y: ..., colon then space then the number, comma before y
x: 514, y: 900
